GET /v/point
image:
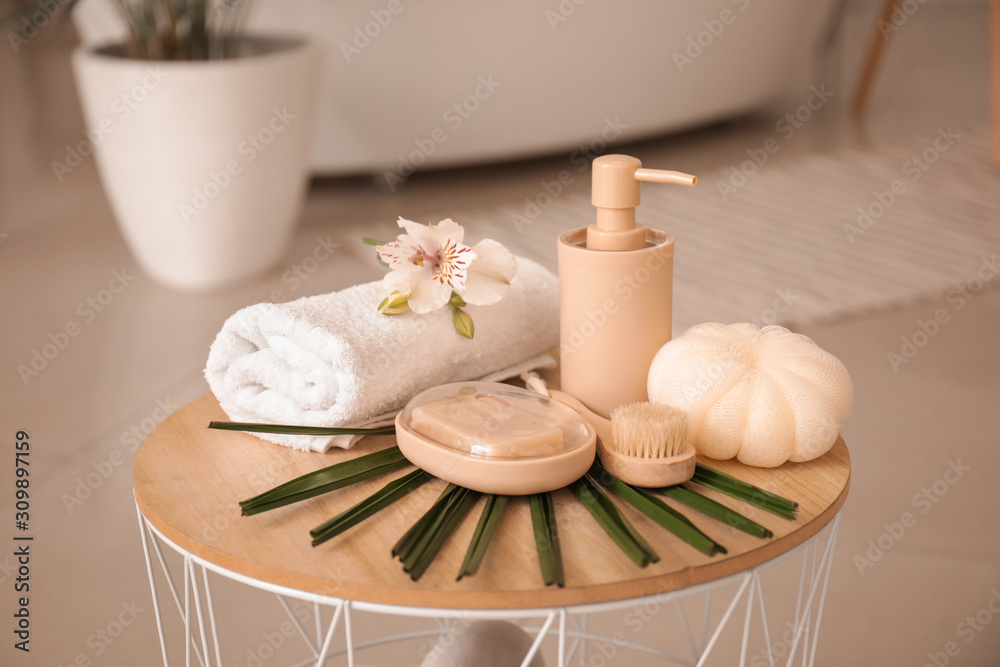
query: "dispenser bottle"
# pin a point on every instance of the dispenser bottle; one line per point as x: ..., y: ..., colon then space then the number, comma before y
x: 615, y: 290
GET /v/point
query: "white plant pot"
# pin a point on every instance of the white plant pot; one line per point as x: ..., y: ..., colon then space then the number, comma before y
x: 205, y: 163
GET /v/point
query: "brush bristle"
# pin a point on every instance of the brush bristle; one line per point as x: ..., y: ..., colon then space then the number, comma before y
x: 648, y: 430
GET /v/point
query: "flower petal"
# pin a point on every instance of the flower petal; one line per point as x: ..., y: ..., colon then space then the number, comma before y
x: 423, y: 294
x: 453, y: 264
x: 448, y: 229
x: 410, y: 226
x: 397, y: 254
x: 489, y: 275
x: 403, y: 281
x: 432, y: 236
x: 411, y: 248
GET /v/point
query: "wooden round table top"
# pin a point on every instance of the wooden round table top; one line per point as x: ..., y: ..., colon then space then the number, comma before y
x: 189, y: 479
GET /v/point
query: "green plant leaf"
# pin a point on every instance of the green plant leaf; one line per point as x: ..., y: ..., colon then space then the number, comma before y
x: 418, y: 547
x: 163, y: 30
x: 299, y: 430
x: 370, y: 506
x: 543, y: 522
x: 706, y: 471
x: 610, y: 508
x: 488, y: 522
x: 373, y: 242
x: 331, y: 478
x: 752, y: 495
x: 658, y: 511
x: 418, y: 534
x: 455, y: 511
x: 617, y: 528
x: 715, y: 510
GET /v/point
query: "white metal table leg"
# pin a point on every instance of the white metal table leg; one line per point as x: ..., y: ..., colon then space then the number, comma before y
x: 723, y: 622
x: 211, y: 616
x: 684, y: 624
x: 348, y: 634
x: 152, y: 586
x: 535, y: 645
x: 562, y: 638
x: 763, y: 618
x: 298, y: 625
x: 807, y: 633
x: 832, y: 542
x: 201, y: 616
x: 579, y: 637
x: 321, y: 658
x: 181, y: 607
x: 318, y: 616
x: 704, y: 622
x: 808, y: 612
x: 826, y: 562
x: 746, y: 621
x: 187, y: 616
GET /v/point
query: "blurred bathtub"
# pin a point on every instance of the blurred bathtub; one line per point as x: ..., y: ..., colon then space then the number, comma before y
x: 416, y: 84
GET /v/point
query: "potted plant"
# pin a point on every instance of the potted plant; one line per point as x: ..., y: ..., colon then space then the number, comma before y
x: 201, y: 136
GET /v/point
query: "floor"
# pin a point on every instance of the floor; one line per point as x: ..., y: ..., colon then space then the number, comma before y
x: 914, y: 595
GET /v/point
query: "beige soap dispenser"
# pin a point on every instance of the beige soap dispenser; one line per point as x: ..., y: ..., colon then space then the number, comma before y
x: 615, y: 290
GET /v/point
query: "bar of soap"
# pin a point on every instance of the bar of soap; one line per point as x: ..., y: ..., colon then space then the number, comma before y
x: 486, y: 425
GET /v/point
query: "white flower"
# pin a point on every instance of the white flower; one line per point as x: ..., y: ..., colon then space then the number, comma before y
x: 430, y: 262
x: 489, y: 275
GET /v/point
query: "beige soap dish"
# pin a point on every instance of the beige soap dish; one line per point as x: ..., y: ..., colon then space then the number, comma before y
x: 495, y: 438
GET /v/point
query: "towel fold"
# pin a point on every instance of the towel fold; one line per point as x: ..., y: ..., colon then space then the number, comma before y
x: 334, y: 360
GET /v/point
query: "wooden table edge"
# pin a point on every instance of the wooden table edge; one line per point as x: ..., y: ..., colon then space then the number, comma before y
x: 551, y: 597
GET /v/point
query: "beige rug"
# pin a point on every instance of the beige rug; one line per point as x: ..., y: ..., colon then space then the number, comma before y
x: 815, y: 240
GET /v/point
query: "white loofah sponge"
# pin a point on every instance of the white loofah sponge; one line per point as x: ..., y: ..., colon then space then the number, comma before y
x: 765, y: 396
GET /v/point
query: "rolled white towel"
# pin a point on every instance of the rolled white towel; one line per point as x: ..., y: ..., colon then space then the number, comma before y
x: 334, y: 360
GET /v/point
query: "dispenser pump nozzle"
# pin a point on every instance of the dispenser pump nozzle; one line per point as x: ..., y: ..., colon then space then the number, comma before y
x: 615, y: 193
